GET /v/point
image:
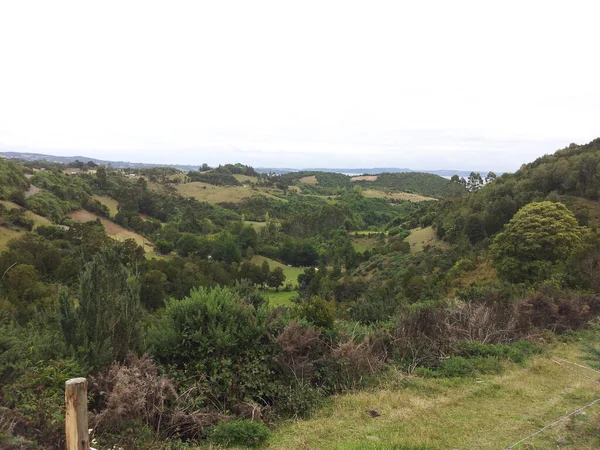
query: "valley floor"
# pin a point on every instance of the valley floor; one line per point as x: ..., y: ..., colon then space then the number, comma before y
x: 491, y: 412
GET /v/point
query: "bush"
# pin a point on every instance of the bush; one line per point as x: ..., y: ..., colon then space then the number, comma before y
x: 243, y: 433
x: 298, y: 400
x: 458, y: 366
x: 36, y: 401
x: 317, y: 311
x: 215, y: 337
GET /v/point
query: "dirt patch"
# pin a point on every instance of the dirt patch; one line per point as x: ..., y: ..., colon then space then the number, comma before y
x: 365, y: 178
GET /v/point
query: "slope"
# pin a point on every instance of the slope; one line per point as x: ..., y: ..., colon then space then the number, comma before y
x: 486, y: 413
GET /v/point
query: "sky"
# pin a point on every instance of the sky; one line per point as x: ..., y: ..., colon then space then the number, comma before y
x: 426, y: 85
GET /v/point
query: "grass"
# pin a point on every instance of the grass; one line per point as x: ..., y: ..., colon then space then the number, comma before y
x: 309, y: 180
x: 6, y: 235
x: 419, y: 238
x: 245, y: 178
x: 37, y: 219
x: 109, y: 202
x: 256, y: 225
x: 209, y: 193
x: 491, y: 412
x: 291, y: 273
x: 280, y: 298
x: 115, y: 231
x: 407, y: 196
x: 364, y: 243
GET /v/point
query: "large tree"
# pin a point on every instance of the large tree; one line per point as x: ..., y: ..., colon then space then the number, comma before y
x: 536, y: 241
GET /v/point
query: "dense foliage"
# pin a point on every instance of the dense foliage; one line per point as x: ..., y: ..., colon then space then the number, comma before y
x: 176, y: 332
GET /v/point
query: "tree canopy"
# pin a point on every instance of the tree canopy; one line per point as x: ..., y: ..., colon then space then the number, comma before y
x: 539, y: 236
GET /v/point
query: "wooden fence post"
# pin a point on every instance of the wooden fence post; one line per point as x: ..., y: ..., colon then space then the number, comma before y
x: 76, y: 416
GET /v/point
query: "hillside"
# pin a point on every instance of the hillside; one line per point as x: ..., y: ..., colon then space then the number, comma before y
x: 277, y: 310
x: 487, y: 412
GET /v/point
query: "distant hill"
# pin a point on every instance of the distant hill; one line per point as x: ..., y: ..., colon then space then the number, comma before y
x: 373, y: 171
x: 24, y: 156
x: 68, y: 159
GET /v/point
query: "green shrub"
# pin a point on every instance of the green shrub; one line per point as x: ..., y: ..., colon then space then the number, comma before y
x: 317, y: 311
x: 243, y: 433
x: 213, y: 335
x: 298, y: 400
x: 36, y: 400
x: 457, y: 366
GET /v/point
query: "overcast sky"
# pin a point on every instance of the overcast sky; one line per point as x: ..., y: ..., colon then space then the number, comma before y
x: 427, y: 85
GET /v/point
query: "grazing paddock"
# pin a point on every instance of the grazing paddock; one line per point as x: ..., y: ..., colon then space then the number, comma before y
x: 280, y: 298
x: 109, y: 202
x: 220, y: 194
x: 37, y: 219
x: 112, y: 229
x: 209, y: 193
x: 308, y: 180
x: 365, y: 178
x: 364, y: 243
x: 420, y: 238
x: 6, y: 235
x: 245, y: 178
x: 291, y: 273
x: 406, y: 196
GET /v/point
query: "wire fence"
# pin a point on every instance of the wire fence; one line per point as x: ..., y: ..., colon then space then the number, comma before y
x: 572, y: 413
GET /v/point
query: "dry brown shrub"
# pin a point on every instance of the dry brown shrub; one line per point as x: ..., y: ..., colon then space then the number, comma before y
x: 561, y: 312
x: 357, y: 360
x: 134, y: 390
x: 485, y: 323
x: 301, y: 347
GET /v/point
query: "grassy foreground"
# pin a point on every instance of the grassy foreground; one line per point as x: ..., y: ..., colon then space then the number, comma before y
x: 492, y: 412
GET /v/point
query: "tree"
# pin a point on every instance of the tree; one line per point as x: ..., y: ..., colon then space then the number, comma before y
x: 101, y: 176
x: 536, y: 241
x: 106, y: 324
x: 276, y: 278
x: 475, y: 182
x: 491, y: 176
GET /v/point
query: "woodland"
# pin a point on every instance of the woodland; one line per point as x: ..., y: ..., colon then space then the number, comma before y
x: 207, y: 308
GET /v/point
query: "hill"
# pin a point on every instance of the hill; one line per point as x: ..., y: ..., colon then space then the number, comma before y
x: 345, y: 312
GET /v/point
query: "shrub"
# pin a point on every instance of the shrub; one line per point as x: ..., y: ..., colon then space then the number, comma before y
x: 317, y: 311
x: 457, y: 366
x: 36, y: 401
x: 297, y: 400
x: 214, y: 336
x: 243, y: 433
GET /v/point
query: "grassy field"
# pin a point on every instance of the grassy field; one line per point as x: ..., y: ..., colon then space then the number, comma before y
x: 6, y: 235
x: 37, y: 219
x: 308, y: 180
x: 109, y: 202
x: 365, y: 178
x: 280, y: 298
x: 362, y: 243
x: 291, y: 273
x: 220, y: 194
x: 419, y: 238
x: 113, y: 230
x: 374, y: 193
x: 491, y: 412
x: 245, y: 178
